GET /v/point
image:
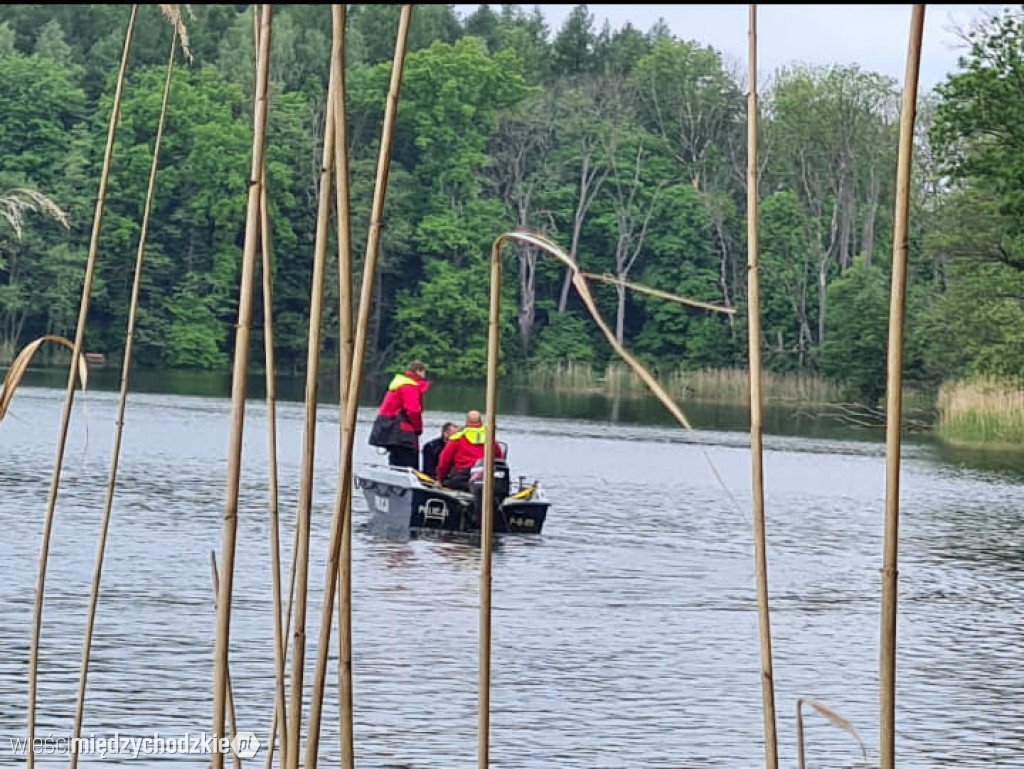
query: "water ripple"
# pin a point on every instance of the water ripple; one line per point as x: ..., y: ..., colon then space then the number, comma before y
x: 626, y: 636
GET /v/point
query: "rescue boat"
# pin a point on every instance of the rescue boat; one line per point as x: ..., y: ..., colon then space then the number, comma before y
x: 401, y: 499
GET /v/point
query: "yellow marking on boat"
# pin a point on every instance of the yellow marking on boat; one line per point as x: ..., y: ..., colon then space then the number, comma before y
x: 525, y: 493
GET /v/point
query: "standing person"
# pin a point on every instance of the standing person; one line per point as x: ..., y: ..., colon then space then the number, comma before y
x: 463, y: 450
x: 399, y: 419
x: 432, y: 449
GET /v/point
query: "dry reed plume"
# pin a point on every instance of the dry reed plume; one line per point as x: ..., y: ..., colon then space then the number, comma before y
x: 18, y: 367
x: 834, y: 718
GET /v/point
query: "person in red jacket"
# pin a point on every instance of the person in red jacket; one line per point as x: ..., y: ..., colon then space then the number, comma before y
x: 462, y: 451
x: 399, y: 419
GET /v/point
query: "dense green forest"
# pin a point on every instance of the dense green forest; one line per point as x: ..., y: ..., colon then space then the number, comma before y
x: 625, y: 146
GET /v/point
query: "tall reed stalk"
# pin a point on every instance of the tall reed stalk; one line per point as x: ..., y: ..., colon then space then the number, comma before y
x: 345, y: 345
x: 305, y: 509
x: 238, y: 381
x: 279, y: 723
x: 231, y: 696
x: 487, y: 514
x: 894, y: 396
x: 771, y: 746
x: 343, y: 507
x: 275, y: 527
x: 83, y: 314
x: 133, y: 308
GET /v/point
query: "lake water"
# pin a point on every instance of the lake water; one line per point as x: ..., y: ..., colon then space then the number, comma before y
x: 624, y: 636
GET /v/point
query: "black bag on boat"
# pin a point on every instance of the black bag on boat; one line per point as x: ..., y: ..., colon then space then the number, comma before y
x: 386, y: 431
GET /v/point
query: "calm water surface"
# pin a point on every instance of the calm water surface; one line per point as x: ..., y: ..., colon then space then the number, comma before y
x: 625, y: 636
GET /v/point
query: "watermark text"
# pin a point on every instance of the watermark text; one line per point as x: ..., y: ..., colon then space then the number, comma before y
x: 243, y: 744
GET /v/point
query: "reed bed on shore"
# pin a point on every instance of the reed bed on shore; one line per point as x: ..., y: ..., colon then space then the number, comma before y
x: 984, y: 410
x: 711, y: 385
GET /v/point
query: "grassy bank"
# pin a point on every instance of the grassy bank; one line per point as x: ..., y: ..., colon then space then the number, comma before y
x: 710, y: 385
x: 981, y: 411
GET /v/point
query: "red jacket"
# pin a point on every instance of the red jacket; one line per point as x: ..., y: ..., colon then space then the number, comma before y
x: 404, y: 399
x: 463, y: 450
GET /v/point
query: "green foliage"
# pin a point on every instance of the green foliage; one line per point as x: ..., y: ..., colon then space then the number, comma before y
x: 575, y: 42
x: 683, y: 263
x: 789, y: 300
x: 685, y: 94
x: 41, y: 104
x: 195, y: 336
x: 504, y: 123
x: 568, y: 338
x: 445, y: 323
x: 976, y: 327
x: 7, y: 39
x: 857, y: 321
x: 978, y: 118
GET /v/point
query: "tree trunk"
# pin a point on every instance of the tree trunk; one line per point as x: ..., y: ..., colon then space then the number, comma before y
x: 822, y: 287
x: 563, y: 299
x: 846, y: 228
x: 868, y: 234
x: 620, y: 314
x: 377, y: 321
x: 527, y: 294
x: 723, y: 264
x: 588, y: 177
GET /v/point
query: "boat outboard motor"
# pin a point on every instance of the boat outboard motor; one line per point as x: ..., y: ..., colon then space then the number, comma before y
x: 476, y: 485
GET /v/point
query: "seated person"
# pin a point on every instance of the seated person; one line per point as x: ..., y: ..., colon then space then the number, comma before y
x: 462, y: 451
x: 432, y: 449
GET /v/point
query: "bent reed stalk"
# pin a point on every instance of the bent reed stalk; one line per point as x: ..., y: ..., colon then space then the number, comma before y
x: 579, y: 282
x: 668, y: 297
x: 16, y: 371
x: 771, y: 740
x: 76, y: 353
x: 133, y: 308
x: 834, y: 718
x: 238, y: 383
x: 342, y: 516
x: 894, y: 397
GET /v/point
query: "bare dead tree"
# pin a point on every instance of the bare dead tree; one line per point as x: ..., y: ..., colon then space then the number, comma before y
x: 581, y: 113
x: 522, y: 152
